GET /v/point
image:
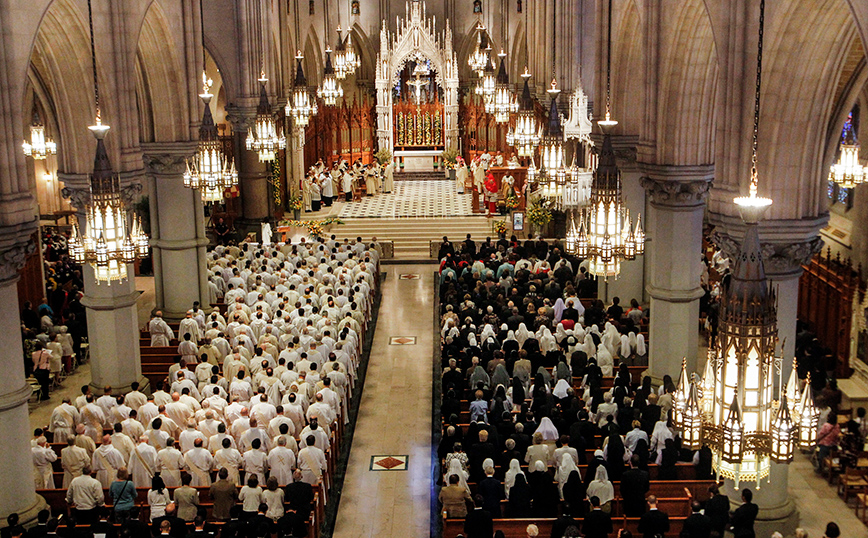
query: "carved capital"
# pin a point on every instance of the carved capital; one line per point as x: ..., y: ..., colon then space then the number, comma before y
x: 165, y: 164
x: 13, y: 258
x: 779, y: 259
x: 676, y: 193
x: 78, y: 198
x: 130, y: 193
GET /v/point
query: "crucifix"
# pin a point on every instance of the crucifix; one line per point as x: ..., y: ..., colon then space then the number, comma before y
x: 417, y: 83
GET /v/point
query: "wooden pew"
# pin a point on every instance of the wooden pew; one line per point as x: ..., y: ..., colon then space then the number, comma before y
x: 517, y: 528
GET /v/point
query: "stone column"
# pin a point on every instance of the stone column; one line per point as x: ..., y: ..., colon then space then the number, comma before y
x: 17, y: 493
x: 178, y: 241
x: 295, y: 161
x: 673, y: 250
x: 252, y: 174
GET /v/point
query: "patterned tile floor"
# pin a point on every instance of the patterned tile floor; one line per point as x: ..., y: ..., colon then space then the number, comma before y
x: 412, y: 199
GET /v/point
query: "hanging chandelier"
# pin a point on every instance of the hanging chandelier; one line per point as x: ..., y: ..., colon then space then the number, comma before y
x: 485, y: 86
x: 300, y: 107
x: 331, y: 89
x: 606, y: 234
x: 263, y: 137
x: 736, y: 414
x: 480, y: 57
x: 552, y: 170
x: 352, y: 60
x: 525, y: 135
x: 503, y: 104
x: 110, y: 241
x: 211, y: 172
x: 40, y: 146
x: 848, y: 171
x: 577, y: 191
x: 607, y: 121
x: 340, y: 60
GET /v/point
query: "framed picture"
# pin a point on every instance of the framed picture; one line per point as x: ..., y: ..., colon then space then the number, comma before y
x: 518, y: 221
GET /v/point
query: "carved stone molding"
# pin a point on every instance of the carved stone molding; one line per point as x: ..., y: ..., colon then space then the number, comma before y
x: 677, y: 193
x: 779, y: 259
x: 13, y: 258
x: 166, y: 164
x: 78, y: 198
x: 130, y: 193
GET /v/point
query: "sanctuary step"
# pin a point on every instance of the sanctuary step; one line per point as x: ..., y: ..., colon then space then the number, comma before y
x: 428, y: 175
x: 412, y: 236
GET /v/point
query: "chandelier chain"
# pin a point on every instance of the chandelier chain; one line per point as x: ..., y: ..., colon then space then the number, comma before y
x: 202, y: 22
x: 609, y: 59
x: 93, y: 60
x: 754, y: 180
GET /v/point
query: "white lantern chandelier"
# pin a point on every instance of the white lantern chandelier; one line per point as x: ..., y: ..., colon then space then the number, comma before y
x: 848, y: 171
x: 210, y: 171
x: 40, y: 145
x: 503, y: 102
x: 263, y: 137
x: 734, y: 410
x: 552, y: 174
x: 330, y: 88
x: 480, y: 57
x: 525, y: 135
x: 110, y: 241
x: 301, y: 107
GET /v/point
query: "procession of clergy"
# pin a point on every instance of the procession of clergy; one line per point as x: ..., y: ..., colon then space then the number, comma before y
x: 322, y: 186
x: 260, y: 390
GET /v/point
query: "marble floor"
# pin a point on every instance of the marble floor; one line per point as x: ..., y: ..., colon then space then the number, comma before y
x: 427, y: 198
x: 394, y: 418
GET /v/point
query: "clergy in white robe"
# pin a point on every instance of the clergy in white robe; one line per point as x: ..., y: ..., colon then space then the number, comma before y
x: 43, y: 455
x: 106, y: 461
x: 123, y: 443
x: 389, y: 177
x: 63, y: 421
x: 255, y: 461
x: 189, y: 326
x: 371, y: 177
x: 170, y: 462
x: 93, y: 418
x: 266, y: 233
x: 160, y: 331
x: 312, y: 462
x: 281, y: 461
x: 143, y: 462
x: 199, y: 463
x: 73, y: 459
x: 230, y: 459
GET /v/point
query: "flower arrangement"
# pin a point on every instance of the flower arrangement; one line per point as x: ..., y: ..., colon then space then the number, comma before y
x: 314, y: 227
x: 499, y: 227
x: 295, y: 203
x: 512, y: 200
x: 540, y: 212
x: 450, y: 157
x: 383, y: 156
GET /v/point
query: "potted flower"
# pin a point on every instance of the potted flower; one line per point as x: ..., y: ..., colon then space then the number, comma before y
x: 540, y: 214
x: 450, y: 157
x: 499, y: 227
x: 295, y: 203
x: 383, y: 156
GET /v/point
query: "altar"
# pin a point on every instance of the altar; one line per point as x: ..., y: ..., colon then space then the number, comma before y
x: 417, y: 160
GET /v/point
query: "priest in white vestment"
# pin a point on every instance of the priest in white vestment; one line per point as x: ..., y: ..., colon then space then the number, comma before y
x: 106, y: 461
x: 160, y: 331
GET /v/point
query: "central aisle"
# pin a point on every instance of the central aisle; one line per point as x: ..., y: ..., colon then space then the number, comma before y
x: 394, y: 417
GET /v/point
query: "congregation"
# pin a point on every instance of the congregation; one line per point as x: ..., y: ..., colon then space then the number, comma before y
x: 243, y: 428
x: 548, y: 414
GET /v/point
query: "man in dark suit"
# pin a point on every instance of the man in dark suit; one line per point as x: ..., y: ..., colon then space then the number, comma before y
x: 697, y: 525
x: 199, y: 530
x: 559, y: 527
x: 597, y: 524
x: 40, y: 529
x: 635, y: 484
x: 299, y: 496
x: 469, y: 247
x: 717, y: 509
x: 177, y: 525
x: 103, y: 526
x: 744, y: 516
x: 445, y: 248
x: 136, y: 527
x: 260, y: 525
x: 478, y: 523
x: 291, y: 525
x: 491, y: 490
x: 654, y: 522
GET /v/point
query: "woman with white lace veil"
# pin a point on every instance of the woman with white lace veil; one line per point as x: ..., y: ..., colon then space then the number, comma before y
x: 567, y: 466
x: 601, y: 488
x: 522, y: 334
x: 513, y: 471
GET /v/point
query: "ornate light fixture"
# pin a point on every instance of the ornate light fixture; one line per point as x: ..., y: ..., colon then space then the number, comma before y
x: 577, y: 191
x: 552, y: 170
x: 504, y: 103
x: 300, y: 107
x: 605, y: 225
x: 40, y: 146
x: 210, y: 171
x: 848, y: 171
x: 110, y: 242
x: 331, y: 89
x: 263, y: 137
x: 743, y: 425
x: 485, y: 86
x: 480, y: 57
x: 525, y: 136
x: 340, y: 61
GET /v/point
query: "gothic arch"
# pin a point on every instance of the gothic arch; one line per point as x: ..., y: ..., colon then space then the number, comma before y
x: 161, y: 88
x: 627, y: 63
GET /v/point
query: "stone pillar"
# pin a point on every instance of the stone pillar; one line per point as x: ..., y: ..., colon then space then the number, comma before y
x: 17, y: 493
x: 295, y: 161
x: 178, y: 241
x: 252, y: 175
x: 673, y: 250
x: 777, y: 511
